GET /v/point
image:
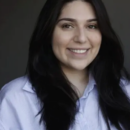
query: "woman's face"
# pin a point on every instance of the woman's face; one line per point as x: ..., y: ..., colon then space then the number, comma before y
x: 76, y: 37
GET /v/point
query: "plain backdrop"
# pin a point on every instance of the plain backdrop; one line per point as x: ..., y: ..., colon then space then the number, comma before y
x: 17, y: 22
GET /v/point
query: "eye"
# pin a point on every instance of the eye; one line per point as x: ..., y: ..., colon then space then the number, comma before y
x: 67, y: 26
x: 92, y: 26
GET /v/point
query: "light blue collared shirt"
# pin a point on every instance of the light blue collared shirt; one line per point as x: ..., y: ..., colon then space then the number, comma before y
x: 19, y: 106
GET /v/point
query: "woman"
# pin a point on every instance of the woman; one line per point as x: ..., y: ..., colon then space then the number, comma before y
x: 75, y: 78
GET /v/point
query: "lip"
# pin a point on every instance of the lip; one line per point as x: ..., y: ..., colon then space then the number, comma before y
x: 78, y: 55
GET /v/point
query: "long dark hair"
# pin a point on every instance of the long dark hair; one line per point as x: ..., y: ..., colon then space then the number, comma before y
x: 57, y: 98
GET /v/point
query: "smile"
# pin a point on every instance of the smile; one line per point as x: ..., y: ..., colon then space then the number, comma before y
x: 78, y: 51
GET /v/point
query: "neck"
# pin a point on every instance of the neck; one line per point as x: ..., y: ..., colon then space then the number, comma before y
x: 77, y: 78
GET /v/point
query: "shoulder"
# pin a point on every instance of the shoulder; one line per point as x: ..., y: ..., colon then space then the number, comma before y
x: 15, y: 87
x: 15, y: 84
x: 10, y: 97
x: 18, y: 105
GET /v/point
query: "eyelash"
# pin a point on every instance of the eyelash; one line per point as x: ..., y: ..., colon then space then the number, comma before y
x: 64, y: 25
x: 90, y: 26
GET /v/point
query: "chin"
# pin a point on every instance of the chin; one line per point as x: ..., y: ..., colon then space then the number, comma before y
x: 79, y: 67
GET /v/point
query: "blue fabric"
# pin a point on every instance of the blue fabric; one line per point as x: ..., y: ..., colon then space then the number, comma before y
x: 19, y: 106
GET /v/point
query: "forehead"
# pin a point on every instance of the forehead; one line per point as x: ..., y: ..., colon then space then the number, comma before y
x: 78, y: 10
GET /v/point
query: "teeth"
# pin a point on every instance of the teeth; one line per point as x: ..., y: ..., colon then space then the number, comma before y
x: 78, y: 51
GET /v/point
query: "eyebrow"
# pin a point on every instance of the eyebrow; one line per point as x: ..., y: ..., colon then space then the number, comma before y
x: 74, y: 20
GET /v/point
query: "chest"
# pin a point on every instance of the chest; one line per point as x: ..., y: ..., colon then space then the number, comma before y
x: 89, y: 116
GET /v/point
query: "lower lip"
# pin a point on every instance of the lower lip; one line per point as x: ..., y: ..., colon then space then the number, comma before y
x: 78, y: 55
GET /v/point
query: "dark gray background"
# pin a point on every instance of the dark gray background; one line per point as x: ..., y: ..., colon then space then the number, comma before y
x: 17, y: 21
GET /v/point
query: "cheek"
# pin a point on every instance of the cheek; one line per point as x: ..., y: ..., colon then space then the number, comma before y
x: 96, y: 40
x: 60, y: 40
x: 56, y: 42
x: 59, y: 44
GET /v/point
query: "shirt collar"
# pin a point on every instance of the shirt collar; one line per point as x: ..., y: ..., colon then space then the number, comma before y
x: 28, y: 86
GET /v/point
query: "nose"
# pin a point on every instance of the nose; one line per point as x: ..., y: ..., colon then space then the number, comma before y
x: 80, y: 36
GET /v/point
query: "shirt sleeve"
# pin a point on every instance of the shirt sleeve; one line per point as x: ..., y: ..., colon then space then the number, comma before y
x: 2, y: 127
x: 18, y: 108
x: 5, y: 110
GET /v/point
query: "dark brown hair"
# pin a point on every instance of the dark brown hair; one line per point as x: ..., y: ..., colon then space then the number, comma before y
x: 58, y: 104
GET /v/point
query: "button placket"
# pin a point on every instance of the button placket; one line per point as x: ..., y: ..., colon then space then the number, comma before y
x: 80, y: 120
